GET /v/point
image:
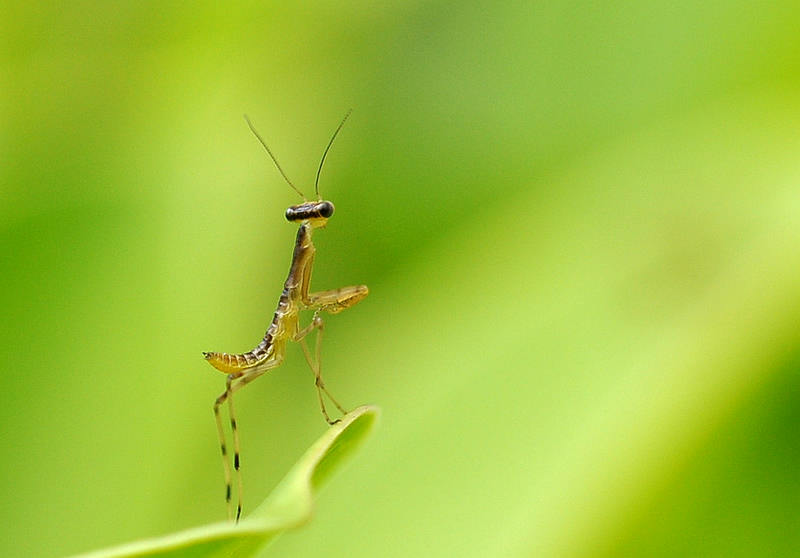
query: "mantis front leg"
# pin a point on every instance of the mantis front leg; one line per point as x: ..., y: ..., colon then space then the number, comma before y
x: 333, y: 301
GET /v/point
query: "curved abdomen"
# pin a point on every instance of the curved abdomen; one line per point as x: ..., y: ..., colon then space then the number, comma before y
x: 230, y: 363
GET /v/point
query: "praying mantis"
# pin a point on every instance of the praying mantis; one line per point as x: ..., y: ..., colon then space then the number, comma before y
x: 243, y: 368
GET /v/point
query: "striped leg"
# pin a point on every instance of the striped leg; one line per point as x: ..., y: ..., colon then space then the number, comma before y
x: 236, y: 451
x: 226, y: 395
x: 241, y: 379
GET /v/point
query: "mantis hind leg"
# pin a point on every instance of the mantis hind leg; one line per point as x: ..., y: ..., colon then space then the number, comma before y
x: 226, y: 395
x: 234, y: 383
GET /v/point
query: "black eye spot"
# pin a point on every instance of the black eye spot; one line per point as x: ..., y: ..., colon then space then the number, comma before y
x: 326, y: 209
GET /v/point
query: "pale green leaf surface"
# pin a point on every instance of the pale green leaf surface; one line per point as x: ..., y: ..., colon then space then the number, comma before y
x: 290, y: 505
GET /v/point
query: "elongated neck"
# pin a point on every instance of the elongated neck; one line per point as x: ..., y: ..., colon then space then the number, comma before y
x: 301, y: 257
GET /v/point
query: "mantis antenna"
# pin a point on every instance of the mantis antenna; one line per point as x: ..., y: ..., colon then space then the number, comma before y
x: 319, y: 170
x: 274, y: 160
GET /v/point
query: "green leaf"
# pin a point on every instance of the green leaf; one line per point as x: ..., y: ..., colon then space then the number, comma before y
x: 290, y: 505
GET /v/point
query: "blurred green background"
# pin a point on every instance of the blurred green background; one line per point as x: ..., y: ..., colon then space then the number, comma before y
x: 579, y: 226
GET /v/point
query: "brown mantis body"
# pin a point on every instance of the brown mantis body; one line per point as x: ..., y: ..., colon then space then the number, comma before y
x: 243, y: 368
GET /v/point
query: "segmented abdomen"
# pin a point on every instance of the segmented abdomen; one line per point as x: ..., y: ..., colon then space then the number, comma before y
x: 229, y: 363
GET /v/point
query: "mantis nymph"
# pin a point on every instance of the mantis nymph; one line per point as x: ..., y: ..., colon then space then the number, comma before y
x: 243, y: 368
